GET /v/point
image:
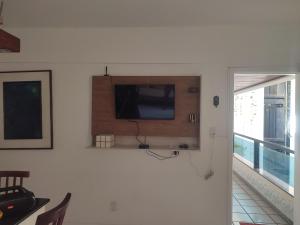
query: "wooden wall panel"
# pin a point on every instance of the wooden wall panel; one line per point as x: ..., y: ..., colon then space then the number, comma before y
x: 103, y: 107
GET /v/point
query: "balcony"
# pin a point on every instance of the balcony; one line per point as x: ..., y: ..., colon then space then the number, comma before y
x: 248, y: 206
x: 268, y: 169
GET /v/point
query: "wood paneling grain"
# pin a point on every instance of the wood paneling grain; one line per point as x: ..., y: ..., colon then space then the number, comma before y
x: 103, y: 107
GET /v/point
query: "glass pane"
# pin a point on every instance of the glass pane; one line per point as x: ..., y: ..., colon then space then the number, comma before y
x: 278, y: 166
x: 22, y: 110
x: 244, y: 149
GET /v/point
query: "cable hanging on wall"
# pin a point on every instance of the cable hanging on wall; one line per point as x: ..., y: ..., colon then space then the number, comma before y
x: 210, y: 168
x: 146, y: 147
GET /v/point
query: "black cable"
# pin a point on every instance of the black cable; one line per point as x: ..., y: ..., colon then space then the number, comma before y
x: 149, y: 152
x: 137, y: 131
x: 160, y: 157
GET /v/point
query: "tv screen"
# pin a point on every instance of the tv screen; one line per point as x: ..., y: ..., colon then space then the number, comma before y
x: 148, y: 102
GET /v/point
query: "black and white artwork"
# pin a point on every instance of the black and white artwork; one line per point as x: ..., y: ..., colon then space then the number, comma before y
x: 26, y: 110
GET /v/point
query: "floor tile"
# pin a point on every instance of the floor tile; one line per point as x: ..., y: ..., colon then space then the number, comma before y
x: 243, y: 217
x: 242, y: 196
x: 247, y: 203
x: 237, y: 209
x: 237, y: 187
x: 254, y: 209
x: 263, y: 204
x: 249, y: 206
x: 238, y: 191
x: 235, y: 202
x: 259, y: 218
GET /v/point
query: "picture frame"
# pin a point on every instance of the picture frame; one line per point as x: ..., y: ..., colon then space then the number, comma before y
x: 26, y: 111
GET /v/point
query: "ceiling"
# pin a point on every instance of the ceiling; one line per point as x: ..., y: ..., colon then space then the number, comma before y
x: 242, y: 81
x: 137, y: 13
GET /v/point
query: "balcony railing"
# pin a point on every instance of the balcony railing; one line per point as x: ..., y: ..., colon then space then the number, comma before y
x: 275, y: 162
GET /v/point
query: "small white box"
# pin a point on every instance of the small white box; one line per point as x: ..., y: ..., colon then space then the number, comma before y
x: 98, y: 145
x: 109, y: 138
x: 102, y: 138
x: 105, y: 140
x: 102, y: 144
x: 108, y: 144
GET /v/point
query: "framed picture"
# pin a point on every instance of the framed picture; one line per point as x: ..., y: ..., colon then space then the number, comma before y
x: 26, y: 110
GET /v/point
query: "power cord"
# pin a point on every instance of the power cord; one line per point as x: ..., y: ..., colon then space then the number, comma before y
x: 161, y: 157
x: 149, y: 152
x: 138, y: 132
x: 210, y: 169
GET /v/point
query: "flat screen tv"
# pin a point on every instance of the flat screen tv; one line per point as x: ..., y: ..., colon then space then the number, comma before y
x: 145, y: 102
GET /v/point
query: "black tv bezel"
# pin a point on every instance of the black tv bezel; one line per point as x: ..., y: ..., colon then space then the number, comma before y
x: 141, y: 119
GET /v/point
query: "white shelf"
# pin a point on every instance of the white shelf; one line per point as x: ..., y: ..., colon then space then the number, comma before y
x: 135, y: 147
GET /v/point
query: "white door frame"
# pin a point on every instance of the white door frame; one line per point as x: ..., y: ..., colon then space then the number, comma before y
x: 230, y: 86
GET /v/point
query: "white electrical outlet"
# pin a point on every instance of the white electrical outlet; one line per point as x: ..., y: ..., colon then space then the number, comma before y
x: 113, y: 206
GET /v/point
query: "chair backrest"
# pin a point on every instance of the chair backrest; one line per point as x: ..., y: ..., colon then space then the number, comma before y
x: 56, y: 215
x: 12, y: 178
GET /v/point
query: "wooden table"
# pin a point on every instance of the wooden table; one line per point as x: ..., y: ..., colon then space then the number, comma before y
x: 29, y: 217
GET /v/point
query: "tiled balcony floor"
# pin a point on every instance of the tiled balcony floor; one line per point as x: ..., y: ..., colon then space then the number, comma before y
x: 248, y: 206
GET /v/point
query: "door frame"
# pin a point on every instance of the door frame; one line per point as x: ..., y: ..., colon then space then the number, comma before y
x: 230, y: 119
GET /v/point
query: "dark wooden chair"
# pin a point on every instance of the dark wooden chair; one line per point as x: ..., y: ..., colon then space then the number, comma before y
x: 12, y: 178
x: 56, y: 215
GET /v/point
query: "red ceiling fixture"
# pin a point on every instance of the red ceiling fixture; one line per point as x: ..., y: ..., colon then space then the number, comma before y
x: 8, y: 42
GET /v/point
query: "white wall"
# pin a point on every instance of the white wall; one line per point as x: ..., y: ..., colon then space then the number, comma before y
x: 147, y: 191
